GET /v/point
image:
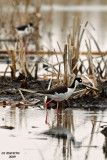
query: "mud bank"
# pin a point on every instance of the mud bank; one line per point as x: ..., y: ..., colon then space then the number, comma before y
x: 9, y: 92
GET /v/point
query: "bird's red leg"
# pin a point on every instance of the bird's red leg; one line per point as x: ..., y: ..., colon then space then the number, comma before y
x: 57, y: 112
x: 57, y: 106
x: 47, y: 110
x: 47, y: 104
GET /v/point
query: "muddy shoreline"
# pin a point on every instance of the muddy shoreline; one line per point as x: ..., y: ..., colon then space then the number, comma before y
x: 9, y: 92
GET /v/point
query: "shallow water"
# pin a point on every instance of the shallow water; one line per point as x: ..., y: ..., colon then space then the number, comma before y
x: 58, y: 22
x: 27, y: 141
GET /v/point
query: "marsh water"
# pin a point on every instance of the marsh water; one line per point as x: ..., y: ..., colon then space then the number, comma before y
x: 26, y: 140
x: 59, y: 24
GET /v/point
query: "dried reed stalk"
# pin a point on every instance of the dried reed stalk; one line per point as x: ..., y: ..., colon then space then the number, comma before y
x: 88, y: 58
x: 91, y: 66
x: 69, y: 54
x: 65, y: 66
x: 12, y: 56
x: 6, y: 70
x: 97, y: 46
x: 22, y: 59
x: 81, y: 36
x: 27, y: 90
x: 59, y: 47
x: 73, y: 32
x: 75, y: 44
x: 21, y: 94
x: 59, y: 71
x: 90, y: 87
x: 105, y: 64
x: 36, y: 70
x: 50, y: 82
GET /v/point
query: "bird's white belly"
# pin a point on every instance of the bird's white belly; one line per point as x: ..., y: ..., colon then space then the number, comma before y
x: 62, y: 96
x: 21, y: 33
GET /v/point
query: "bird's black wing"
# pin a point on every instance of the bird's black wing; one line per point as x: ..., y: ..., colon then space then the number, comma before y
x: 21, y: 28
x: 61, y: 89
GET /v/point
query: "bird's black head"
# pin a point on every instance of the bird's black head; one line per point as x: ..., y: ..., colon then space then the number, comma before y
x: 76, y: 82
x: 31, y: 24
x: 78, y: 79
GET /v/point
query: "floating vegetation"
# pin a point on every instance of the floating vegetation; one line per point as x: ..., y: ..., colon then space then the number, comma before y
x: 7, y: 127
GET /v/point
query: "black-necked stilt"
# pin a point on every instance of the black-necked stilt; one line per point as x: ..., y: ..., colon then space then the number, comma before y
x: 25, y: 30
x: 61, y: 93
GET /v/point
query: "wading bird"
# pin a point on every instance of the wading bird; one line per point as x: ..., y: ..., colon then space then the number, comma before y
x: 61, y: 93
x: 24, y: 31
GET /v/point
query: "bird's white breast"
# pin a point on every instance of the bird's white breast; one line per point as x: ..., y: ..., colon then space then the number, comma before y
x: 62, y: 96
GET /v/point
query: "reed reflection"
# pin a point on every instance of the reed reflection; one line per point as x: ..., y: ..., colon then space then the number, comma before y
x: 63, y: 129
x: 78, y: 132
x: 104, y: 132
x: 105, y: 147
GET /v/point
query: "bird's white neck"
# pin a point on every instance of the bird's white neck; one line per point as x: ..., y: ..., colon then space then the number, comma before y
x: 76, y: 83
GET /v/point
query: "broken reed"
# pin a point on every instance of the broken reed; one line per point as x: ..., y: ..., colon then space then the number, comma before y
x: 22, y: 61
x: 72, y: 52
x: 71, y: 57
x: 12, y: 56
